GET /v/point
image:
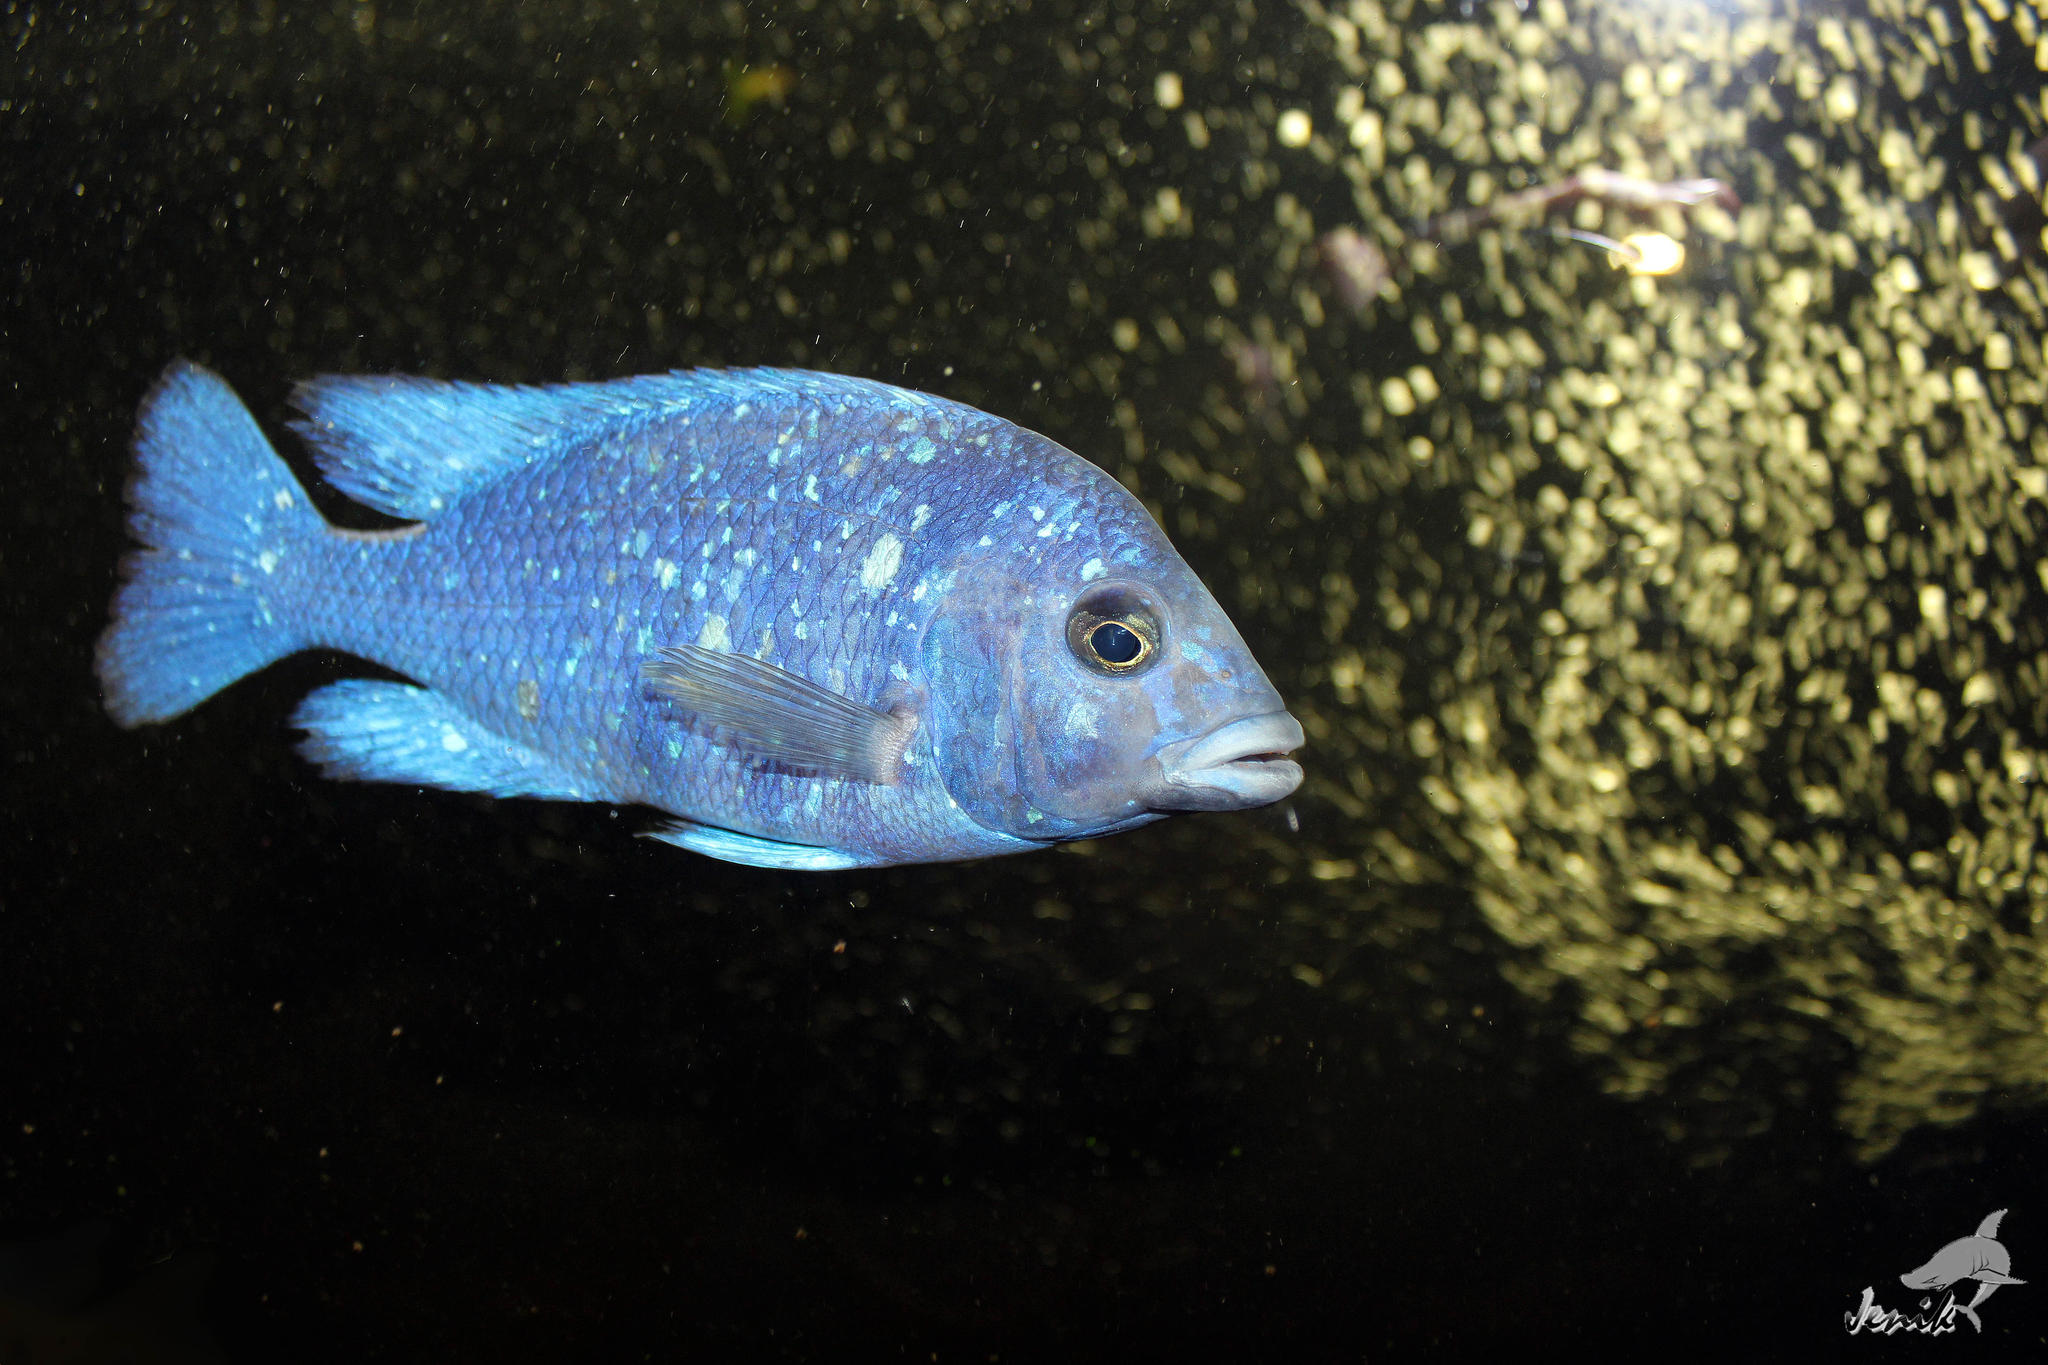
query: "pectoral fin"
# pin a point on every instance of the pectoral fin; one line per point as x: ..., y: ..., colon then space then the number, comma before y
x: 779, y: 716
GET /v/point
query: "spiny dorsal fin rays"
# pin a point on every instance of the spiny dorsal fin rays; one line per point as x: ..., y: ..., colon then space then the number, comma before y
x: 779, y: 716
x: 412, y: 447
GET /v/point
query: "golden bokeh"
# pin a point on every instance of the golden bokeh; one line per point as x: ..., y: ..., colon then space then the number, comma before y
x: 1741, y: 740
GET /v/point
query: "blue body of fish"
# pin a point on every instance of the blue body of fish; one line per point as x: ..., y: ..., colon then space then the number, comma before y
x: 820, y: 621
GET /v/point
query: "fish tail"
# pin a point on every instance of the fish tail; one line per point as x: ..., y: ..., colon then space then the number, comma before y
x: 222, y: 522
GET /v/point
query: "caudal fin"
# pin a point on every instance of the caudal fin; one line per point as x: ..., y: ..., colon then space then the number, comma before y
x: 222, y: 522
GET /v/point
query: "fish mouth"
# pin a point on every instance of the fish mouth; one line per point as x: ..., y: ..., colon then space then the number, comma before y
x: 1234, y: 766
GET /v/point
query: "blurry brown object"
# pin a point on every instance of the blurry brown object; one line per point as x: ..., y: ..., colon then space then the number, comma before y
x: 1609, y: 187
x: 1354, y: 266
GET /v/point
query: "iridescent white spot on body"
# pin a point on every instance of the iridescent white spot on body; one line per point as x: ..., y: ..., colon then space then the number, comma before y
x: 713, y: 635
x: 811, y: 487
x: 878, y: 570
x: 1194, y: 653
x: 667, y: 572
x: 453, y: 742
x: 1038, y: 514
x: 919, y: 515
x: 1081, y: 720
x: 921, y: 451
x: 641, y: 540
x: 1092, y: 570
x: 267, y: 561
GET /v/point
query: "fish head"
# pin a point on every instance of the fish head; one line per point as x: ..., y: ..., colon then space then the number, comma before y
x: 1926, y: 1277
x: 1953, y: 1262
x: 1071, y: 699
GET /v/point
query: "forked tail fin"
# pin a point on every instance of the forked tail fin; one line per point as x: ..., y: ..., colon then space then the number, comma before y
x: 222, y: 522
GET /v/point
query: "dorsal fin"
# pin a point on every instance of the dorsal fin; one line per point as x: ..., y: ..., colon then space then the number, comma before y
x: 412, y: 447
x: 1989, y: 1227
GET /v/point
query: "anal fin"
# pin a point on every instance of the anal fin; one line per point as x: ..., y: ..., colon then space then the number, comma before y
x: 753, y: 851
x: 391, y: 732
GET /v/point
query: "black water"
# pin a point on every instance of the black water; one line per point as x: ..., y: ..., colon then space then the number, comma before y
x: 299, y: 1071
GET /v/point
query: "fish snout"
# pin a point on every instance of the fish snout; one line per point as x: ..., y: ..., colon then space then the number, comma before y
x: 1237, y: 765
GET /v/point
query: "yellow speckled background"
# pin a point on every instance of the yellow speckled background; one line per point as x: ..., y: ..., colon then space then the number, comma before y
x: 1734, y: 707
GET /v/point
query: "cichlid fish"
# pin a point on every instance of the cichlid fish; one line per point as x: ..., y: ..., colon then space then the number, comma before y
x: 823, y: 622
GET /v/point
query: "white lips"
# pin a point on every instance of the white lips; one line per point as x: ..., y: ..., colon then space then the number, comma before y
x: 1232, y: 767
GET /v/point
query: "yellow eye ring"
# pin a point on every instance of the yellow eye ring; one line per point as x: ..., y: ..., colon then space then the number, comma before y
x: 1117, y: 643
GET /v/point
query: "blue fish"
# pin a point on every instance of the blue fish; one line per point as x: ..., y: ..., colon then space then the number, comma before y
x: 822, y: 622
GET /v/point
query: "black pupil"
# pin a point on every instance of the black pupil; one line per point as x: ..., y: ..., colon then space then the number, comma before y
x: 1115, y: 644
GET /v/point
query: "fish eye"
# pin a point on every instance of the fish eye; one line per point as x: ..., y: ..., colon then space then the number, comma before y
x: 1116, y: 644
x: 1113, y: 630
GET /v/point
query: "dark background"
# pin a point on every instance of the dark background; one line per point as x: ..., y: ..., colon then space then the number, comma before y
x: 292, y: 1070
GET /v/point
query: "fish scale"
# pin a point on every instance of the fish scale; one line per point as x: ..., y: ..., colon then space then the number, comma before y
x: 825, y: 622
